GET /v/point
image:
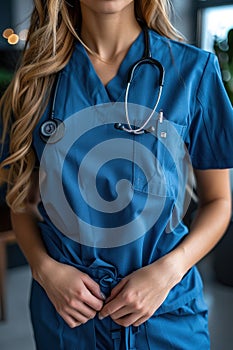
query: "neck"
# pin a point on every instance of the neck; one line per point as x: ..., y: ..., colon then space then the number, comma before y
x: 109, y: 34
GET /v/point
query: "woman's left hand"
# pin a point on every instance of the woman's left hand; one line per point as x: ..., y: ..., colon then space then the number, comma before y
x: 135, y: 299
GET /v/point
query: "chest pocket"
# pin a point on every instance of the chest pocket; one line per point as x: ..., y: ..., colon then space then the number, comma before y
x: 160, y: 160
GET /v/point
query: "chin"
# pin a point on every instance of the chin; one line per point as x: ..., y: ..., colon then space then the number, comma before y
x: 106, y: 6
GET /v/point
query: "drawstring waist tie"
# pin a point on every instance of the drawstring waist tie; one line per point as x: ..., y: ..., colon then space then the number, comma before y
x: 124, y: 338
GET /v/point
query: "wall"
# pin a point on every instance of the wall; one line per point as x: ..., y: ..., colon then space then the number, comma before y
x: 5, y: 19
x: 14, y: 14
x: 21, y: 14
x: 185, y: 19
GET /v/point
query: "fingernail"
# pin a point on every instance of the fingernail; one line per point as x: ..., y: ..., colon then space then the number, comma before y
x: 103, y: 296
x: 100, y: 317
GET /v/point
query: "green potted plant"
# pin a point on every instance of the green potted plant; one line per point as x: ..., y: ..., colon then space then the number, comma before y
x: 224, y: 52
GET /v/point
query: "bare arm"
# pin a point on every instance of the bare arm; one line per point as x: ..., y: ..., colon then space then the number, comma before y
x: 30, y: 242
x: 139, y: 295
x: 28, y: 234
x: 74, y: 294
x: 212, y: 217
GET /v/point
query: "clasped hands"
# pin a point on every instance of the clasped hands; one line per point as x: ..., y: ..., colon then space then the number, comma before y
x: 77, y: 298
x: 136, y: 298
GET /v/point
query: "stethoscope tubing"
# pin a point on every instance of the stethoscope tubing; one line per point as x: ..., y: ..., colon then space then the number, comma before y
x: 48, y: 128
x: 140, y: 130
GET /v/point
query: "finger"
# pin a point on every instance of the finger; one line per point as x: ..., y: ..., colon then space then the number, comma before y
x: 93, y: 287
x: 80, y: 317
x: 72, y: 323
x: 116, y: 290
x: 92, y: 301
x: 128, y: 320
x: 124, y: 311
x: 111, y: 307
x: 140, y: 321
x: 83, y: 309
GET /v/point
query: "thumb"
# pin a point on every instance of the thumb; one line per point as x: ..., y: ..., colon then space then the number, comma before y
x: 117, y: 289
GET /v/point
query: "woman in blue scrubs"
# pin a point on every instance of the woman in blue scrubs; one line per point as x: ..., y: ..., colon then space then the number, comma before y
x: 113, y: 265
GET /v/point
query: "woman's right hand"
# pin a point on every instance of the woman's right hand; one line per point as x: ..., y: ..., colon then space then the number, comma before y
x: 76, y: 296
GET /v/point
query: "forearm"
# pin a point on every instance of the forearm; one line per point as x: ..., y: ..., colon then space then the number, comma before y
x: 208, y: 227
x: 75, y: 296
x: 29, y: 239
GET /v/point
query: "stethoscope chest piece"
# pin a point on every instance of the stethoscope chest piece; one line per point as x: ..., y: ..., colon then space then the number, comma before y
x: 53, y: 130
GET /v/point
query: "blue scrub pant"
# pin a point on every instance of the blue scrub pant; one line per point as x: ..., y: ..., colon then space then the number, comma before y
x: 183, y: 329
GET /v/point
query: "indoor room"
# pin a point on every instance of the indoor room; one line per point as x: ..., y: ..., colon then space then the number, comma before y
x: 145, y: 187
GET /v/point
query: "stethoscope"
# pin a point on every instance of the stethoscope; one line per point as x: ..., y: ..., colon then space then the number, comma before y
x: 53, y: 129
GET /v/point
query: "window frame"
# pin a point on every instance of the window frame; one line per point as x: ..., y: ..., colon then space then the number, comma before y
x: 204, y: 4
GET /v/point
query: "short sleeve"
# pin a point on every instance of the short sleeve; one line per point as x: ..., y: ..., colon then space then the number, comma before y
x: 210, y: 134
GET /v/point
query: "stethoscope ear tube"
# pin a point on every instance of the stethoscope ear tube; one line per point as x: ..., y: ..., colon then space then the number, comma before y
x: 53, y: 130
x: 146, y: 59
x: 151, y: 61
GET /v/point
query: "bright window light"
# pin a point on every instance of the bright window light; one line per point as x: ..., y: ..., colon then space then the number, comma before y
x: 216, y: 22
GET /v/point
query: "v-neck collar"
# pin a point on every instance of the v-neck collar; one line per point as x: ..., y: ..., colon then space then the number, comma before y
x: 114, y: 90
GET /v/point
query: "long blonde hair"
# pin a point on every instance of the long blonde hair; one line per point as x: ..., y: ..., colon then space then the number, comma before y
x: 52, y: 33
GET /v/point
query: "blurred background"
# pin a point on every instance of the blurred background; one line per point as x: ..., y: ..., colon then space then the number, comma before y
x: 207, y: 24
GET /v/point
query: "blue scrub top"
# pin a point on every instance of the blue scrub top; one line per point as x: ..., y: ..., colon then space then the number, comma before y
x: 193, y: 100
